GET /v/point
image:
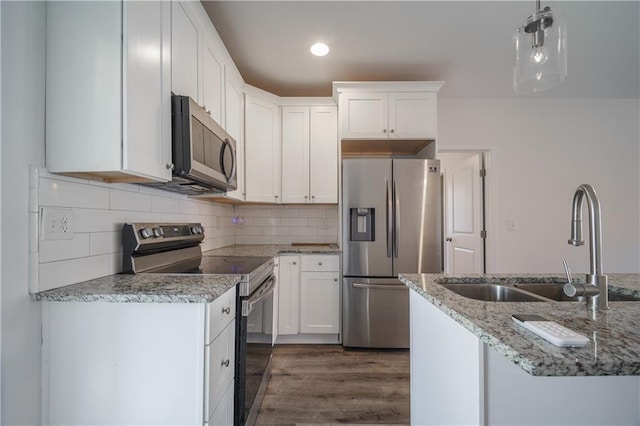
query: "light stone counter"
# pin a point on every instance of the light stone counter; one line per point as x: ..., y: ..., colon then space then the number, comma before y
x: 272, y: 250
x: 173, y: 288
x: 144, y: 288
x: 614, y: 347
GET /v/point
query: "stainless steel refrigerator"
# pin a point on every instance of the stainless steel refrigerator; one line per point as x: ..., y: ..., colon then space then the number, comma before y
x: 391, y: 223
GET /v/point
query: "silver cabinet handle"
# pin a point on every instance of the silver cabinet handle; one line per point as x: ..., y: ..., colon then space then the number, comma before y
x: 170, y: 166
x: 224, y: 363
x: 381, y: 286
x: 335, y: 279
x: 320, y: 263
x: 294, y: 263
x: 449, y: 239
x: 226, y: 310
x: 392, y: 130
x: 384, y: 130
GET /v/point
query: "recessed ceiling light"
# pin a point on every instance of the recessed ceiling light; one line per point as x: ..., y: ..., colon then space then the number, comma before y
x: 319, y: 49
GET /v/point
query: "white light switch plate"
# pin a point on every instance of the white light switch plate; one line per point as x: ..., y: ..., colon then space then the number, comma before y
x: 57, y: 223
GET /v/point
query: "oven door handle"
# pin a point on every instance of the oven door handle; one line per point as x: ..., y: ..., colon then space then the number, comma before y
x: 264, y: 291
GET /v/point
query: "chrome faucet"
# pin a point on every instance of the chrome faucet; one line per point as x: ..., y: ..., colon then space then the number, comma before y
x: 596, y: 287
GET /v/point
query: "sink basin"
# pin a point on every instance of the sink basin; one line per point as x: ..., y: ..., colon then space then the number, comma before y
x: 491, y: 292
x: 556, y: 292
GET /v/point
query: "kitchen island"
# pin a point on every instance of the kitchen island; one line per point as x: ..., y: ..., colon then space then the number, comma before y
x: 471, y: 364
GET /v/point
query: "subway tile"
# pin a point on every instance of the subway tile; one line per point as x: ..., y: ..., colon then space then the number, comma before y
x: 275, y: 230
x: 266, y: 221
x: 332, y: 212
x: 142, y: 217
x: 294, y: 221
x: 105, y: 242
x: 312, y: 212
x: 54, y: 250
x: 115, y: 263
x: 303, y: 230
x: 255, y: 239
x: 250, y: 230
x: 125, y: 200
x: 327, y: 232
x: 286, y: 211
x: 256, y: 212
x: 164, y: 205
x: 69, y: 194
x: 311, y: 239
x: 65, y: 272
x: 283, y: 239
x: 91, y: 220
x: 173, y: 218
x: 192, y: 207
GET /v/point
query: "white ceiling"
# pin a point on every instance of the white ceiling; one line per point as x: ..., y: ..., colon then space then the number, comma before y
x: 467, y: 44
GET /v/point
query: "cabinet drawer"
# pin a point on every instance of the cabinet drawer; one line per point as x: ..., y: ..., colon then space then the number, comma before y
x: 218, y: 314
x: 223, y: 414
x: 219, y: 368
x: 321, y: 263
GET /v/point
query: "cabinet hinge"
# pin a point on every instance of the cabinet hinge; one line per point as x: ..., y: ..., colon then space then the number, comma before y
x: 483, y: 234
x: 483, y: 172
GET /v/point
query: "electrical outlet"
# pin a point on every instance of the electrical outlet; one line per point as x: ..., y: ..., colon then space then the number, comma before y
x: 57, y: 224
x: 324, y: 223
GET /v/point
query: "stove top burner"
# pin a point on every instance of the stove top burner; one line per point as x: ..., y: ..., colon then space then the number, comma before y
x: 240, y: 265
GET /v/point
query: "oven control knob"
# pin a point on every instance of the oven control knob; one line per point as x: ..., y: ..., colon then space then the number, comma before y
x: 146, y: 233
x: 158, y: 232
x: 196, y: 229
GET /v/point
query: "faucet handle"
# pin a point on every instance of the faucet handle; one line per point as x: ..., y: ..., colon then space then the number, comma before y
x: 567, y: 271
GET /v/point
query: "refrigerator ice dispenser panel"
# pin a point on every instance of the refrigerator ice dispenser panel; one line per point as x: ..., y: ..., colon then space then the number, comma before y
x: 362, y: 224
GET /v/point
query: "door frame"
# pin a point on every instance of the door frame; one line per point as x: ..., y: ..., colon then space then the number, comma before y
x: 489, y: 202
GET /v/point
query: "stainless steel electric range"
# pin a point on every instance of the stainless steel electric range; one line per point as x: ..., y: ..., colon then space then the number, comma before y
x: 174, y: 249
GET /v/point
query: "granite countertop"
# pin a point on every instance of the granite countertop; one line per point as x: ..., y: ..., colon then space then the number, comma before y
x: 170, y: 288
x: 272, y: 250
x: 614, y: 347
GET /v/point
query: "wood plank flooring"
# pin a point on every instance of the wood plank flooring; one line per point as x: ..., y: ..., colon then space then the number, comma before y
x: 326, y: 384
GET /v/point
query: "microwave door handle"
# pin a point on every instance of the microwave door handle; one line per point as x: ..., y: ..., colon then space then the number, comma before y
x: 226, y: 144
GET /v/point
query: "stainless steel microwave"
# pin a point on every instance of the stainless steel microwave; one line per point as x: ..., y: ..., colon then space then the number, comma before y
x: 204, y: 154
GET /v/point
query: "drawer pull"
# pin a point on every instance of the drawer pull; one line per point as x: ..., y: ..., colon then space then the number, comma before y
x: 320, y: 263
x: 226, y: 310
x: 224, y: 363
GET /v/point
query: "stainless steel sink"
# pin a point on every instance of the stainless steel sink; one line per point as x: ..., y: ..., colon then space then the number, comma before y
x: 523, y: 292
x: 491, y: 292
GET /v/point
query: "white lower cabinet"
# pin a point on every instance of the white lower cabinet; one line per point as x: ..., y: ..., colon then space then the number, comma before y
x: 138, y: 363
x: 309, y: 299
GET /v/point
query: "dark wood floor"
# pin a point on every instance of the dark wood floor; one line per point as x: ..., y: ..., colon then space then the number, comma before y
x: 326, y: 384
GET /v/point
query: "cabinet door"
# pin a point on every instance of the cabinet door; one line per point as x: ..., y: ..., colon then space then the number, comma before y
x: 146, y: 88
x: 234, y: 123
x: 319, y: 302
x: 288, y: 295
x: 185, y: 51
x: 223, y: 415
x: 364, y: 115
x: 412, y: 115
x: 212, y: 80
x: 262, y: 153
x: 323, y: 155
x: 295, y: 154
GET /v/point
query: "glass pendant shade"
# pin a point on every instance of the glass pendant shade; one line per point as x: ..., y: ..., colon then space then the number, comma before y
x: 540, y: 52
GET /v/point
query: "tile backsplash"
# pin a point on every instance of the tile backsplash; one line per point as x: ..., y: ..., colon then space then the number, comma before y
x: 286, y: 224
x: 99, y: 210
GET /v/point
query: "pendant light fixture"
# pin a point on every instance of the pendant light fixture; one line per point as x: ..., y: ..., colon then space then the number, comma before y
x: 540, y: 51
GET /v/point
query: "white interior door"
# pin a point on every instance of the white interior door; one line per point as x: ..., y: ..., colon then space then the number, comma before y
x: 463, y: 216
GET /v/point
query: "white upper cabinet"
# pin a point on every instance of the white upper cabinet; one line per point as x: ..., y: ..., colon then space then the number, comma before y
x: 309, y: 154
x: 185, y: 47
x: 262, y: 150
x: 323, y: 155
x: 234, y: 124
x: 108, y: 99
x: 387, y: 110
x: 213, y: 83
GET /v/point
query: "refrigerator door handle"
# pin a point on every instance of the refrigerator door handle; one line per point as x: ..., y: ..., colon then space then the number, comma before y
x: 381, y: 286
x: 396, y: 219
x: 389, y: 218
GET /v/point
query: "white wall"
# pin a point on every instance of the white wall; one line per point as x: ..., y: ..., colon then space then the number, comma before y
x: 287, y: 224
x: 23, y: 55
x: 541, y: 150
